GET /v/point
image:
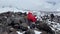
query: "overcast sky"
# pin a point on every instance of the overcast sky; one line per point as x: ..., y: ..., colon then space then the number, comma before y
x: 32, y: 4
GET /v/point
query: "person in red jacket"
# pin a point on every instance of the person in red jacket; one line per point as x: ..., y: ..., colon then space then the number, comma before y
x: 31, y: 17
x: 31, y: 20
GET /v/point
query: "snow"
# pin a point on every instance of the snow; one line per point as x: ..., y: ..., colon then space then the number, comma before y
x: 28, y: 27
x: 32, y: 4
x: 57, y: 26
x: 58, y: 14
x: 11, y: 10
x: 37, y: 32
x: 19, y: 32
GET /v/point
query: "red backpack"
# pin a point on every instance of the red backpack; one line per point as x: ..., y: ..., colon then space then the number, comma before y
x: 31, y: 17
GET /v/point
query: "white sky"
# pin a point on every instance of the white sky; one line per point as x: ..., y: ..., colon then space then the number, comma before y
x: 32, y: 4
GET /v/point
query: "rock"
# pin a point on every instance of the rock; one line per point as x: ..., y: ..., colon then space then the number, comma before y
x: 24, y: 24
x: 32, y: 26
x: 44, y: 27
x: 13, y: 31
x: 43, y: 32
x: 23, y: 28
x: 29, y: 32
x: 5, y: 32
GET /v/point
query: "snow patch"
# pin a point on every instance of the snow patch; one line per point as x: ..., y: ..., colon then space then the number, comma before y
x: 37, y: 32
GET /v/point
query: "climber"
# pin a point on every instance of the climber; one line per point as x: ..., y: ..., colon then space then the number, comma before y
x: 31, y: 17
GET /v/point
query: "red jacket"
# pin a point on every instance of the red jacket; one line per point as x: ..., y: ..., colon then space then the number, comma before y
x: 31, y: 17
